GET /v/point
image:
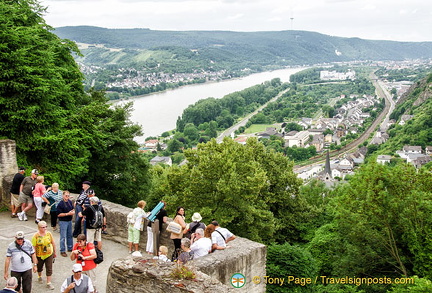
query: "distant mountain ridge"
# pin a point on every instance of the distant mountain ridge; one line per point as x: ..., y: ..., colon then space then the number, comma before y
x: 260, y: 48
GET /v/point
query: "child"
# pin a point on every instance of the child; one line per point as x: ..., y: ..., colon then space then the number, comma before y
x: 163, y: 252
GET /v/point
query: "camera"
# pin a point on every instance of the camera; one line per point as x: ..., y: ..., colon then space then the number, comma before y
x: 80, y: 257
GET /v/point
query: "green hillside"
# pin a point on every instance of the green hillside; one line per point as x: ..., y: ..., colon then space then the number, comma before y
x: 417, y: 131
x: 263, y: 48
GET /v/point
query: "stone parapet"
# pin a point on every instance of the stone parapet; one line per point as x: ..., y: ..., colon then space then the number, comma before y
x: 8, y: 166
x: 143, y: 275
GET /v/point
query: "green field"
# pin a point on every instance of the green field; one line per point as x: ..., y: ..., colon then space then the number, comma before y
x: 257, y: 128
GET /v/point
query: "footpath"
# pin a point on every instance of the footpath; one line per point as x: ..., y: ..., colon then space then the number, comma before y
x: 62, y: 268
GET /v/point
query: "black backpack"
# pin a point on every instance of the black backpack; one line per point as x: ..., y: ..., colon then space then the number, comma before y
x: 99, y: 256
x: 98, y: 218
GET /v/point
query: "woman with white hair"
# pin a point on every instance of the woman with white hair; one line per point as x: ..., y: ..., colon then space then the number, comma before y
x: 52, y: 198
x: 187, y: 254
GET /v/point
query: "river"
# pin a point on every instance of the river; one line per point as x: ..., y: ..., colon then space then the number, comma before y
x: 158, y: 112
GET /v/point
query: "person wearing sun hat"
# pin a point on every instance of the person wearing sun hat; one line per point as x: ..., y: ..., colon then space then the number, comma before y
x: 195, y: 224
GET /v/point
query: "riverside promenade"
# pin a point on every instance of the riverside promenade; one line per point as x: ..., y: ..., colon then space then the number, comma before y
x: 62, y: 268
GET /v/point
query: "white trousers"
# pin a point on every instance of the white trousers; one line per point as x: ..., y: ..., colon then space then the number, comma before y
x: 149, y: 247
x: 39, y: 209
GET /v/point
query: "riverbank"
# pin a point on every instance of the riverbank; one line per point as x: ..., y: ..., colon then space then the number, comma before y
x: 158, y: 112
x: 199, y: 83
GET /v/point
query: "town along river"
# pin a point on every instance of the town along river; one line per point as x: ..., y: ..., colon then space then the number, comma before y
x: 158, y: 112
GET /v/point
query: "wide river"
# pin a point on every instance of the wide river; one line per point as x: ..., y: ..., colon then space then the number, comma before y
x: 158, y: 112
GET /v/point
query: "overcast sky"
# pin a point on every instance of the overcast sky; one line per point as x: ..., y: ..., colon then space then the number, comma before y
x: 398, y: 20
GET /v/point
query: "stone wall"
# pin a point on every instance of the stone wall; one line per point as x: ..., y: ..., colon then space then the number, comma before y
x: 8, y: 168
x: 142, y: 275
x: 213, y: 272
x: 117, y: 226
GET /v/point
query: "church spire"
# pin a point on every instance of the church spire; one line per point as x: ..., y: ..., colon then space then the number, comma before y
x: 327, y: 169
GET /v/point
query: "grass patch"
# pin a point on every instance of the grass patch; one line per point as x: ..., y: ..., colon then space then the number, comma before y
x: 257, y: 128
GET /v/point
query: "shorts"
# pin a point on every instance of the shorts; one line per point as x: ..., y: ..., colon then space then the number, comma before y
x: 133, y: 234
x: 15, y: 199
x: 94, y: 235
x: 48, y: 262
x: 23, y: 198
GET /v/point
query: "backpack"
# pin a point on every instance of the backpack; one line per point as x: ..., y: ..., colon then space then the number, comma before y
x: 99, y: 256
x: 98, y: 217
x: 131, y: 218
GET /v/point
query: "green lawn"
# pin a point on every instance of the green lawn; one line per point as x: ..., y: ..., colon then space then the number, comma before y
x: 257, y: 128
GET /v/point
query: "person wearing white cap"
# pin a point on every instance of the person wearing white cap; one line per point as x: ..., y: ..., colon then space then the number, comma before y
x: 21, y: 258
x: 78, y: 282
x: 25, y: 195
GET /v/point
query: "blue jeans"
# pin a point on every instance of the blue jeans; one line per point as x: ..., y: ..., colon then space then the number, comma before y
x: 65, y: 235
x: 77, y: 227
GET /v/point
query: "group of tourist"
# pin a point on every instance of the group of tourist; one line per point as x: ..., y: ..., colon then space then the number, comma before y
x: 194, y: 240
x: 24, y: 256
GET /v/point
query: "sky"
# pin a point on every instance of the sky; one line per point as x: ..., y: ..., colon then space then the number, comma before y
x: 397, y: 20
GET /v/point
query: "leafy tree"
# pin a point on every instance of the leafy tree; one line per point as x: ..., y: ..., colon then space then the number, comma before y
x: 61, y: 130
x: 165, y: 134
x: 246, y: 188
x: 384, y: 218
x: 293, y: 126
x: 191, y: 132
x: 284, y: 260
x: 174, y: 145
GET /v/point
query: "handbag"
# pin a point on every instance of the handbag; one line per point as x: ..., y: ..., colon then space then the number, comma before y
x: 173, y: 227
x: 47, y: 209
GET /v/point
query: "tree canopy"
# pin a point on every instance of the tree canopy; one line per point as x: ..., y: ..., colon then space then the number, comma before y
x: 66, y: 133
x: 248, y: 189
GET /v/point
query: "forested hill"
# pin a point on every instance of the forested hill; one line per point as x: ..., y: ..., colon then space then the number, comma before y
x: 418, y: 130
x: 272, y: 47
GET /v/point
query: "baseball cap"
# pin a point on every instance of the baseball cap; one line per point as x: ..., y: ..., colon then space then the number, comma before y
x: 86, y: 182
x: 77, y: 268
x: 94, y: 199
x: 21, y: 168
x: 19, y: 235
x: 35, y: 171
